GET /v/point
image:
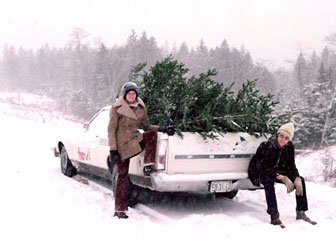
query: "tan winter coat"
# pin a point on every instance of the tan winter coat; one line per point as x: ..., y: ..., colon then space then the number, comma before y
x: 125, y: 119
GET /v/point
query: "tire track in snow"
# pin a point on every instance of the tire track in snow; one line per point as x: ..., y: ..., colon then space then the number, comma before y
x: 104, y: 188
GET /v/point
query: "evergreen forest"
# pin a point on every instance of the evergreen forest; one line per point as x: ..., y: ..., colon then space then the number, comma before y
x: 83, y: 77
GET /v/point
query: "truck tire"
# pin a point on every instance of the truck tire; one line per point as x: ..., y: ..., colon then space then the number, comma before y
x: 66, y: 167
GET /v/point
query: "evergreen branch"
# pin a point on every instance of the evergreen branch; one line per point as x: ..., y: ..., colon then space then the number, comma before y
x: 229, y: 117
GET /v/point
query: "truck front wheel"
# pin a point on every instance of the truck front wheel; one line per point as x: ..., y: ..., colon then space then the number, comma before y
x: 66, y: 166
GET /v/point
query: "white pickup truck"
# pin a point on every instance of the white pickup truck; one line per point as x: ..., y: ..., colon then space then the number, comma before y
x: 189, y: 164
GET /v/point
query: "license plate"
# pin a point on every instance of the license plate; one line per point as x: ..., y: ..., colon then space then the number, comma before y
x: 220, y: 186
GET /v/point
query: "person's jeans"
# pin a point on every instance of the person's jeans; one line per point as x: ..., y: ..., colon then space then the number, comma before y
x: 271, y: 200
x: 121, y: 192
x: 148, y: 144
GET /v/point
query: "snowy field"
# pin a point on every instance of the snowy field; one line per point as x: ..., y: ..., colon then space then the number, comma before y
x: 38, y: 202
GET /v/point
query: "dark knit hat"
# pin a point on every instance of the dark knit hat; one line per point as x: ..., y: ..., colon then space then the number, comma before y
x: 128, y: 87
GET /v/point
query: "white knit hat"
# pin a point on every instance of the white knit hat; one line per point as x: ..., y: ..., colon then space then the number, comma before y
x: 288, y: 129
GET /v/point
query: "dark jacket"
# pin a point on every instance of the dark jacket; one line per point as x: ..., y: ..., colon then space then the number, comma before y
x: 270, y: 159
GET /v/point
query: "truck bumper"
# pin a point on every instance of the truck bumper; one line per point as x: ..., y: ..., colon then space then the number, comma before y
x: 199, y: 183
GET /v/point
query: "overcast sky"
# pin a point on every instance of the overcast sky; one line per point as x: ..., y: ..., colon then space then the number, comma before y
x: 274, y: 31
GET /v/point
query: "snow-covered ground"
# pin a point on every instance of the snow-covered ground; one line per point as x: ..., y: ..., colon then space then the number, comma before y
x: 37, y: 201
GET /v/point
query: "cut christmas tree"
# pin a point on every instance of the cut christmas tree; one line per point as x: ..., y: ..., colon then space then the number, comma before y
x: 200, y: 104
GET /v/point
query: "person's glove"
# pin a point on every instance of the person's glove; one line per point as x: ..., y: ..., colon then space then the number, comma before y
x: 289, y: 184
x: 169, y: 130
x: 298, y: 186
x: 115, y: 156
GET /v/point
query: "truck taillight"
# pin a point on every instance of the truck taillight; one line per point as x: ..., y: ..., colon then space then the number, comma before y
x: 161, y: 157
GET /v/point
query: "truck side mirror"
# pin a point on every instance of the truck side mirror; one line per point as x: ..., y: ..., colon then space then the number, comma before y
x: 86, y: 126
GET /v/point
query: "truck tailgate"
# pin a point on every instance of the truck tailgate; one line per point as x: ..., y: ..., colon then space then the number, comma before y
x: 230, y: 153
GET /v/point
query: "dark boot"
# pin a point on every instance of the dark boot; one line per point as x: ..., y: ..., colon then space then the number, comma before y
x: 275, y: 220
x: 148, y: 170
x: 301, y: 215
x: 120, y: 215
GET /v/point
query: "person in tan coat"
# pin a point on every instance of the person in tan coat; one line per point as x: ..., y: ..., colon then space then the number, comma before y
x: 127, y: 114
